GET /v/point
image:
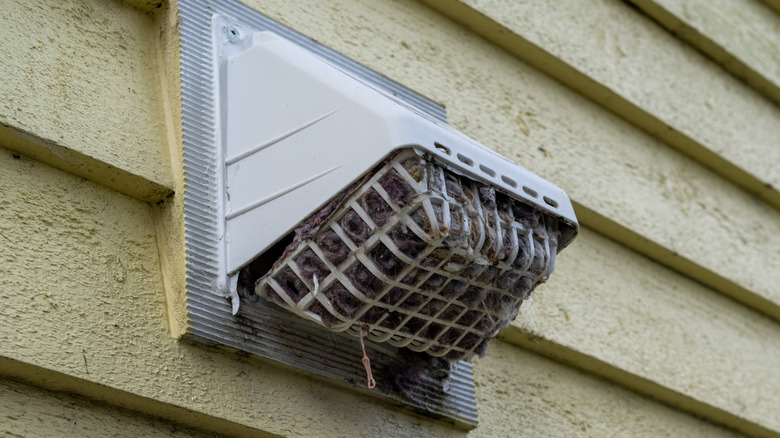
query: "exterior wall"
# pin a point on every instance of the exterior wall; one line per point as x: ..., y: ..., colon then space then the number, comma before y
x: 31, y: 412
x: 660, y: 320
x: 82, y: 93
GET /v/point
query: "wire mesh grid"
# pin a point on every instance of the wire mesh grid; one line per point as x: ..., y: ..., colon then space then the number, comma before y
x: 415, y: 255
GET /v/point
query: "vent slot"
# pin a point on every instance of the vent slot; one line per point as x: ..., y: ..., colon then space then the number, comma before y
x: 509, y: 181
x: 488, y: 171
x: 465, y: 160
x: 443, y: 148
x: 551, y: 202
x: 531, y: 192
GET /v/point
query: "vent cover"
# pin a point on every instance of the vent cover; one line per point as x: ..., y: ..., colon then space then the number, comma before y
x: 298, y: 131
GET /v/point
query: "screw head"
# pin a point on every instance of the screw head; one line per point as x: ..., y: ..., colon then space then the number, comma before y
x: 233, y: 35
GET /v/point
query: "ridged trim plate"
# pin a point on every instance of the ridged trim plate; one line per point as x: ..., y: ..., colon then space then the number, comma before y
x: 267, y: 331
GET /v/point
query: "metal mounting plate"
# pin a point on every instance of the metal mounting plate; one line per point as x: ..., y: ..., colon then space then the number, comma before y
x: 207, y: 27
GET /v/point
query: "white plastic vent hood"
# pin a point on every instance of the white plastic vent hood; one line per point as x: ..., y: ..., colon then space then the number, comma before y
x: 297, y: 131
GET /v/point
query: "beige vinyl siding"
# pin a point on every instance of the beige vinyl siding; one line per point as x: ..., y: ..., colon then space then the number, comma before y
x: 624, y: 61
x: 31, y: 412
x: 82, y: 92
x: 525, y: 395
x: 624, y: 317
x: 742, y: 36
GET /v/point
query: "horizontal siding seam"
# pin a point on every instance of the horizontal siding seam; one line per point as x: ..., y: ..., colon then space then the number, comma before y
x: 79, y: 164
x: 646, y: 387
x: 728, y: 59
x: 674, y: 261
x: 52, y: 380
x: 573, y: 78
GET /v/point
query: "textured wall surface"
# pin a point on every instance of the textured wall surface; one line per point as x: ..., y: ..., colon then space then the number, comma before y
x: 742, y: 36
x: 31, y: 412
x: 83, y: 85
x: 660, y: 320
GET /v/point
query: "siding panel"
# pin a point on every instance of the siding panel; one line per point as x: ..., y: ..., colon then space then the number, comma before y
x: 31, y: 412
x: 522, y: 394
x: 83, y: 83
x: 743, y: 36
x: 682, y: 342
x: 630, y: 65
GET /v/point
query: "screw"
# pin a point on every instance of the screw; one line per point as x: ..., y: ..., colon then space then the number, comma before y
x: 233, y: 35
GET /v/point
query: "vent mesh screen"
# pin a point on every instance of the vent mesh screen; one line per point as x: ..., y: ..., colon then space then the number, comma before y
x: 417, y: 256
